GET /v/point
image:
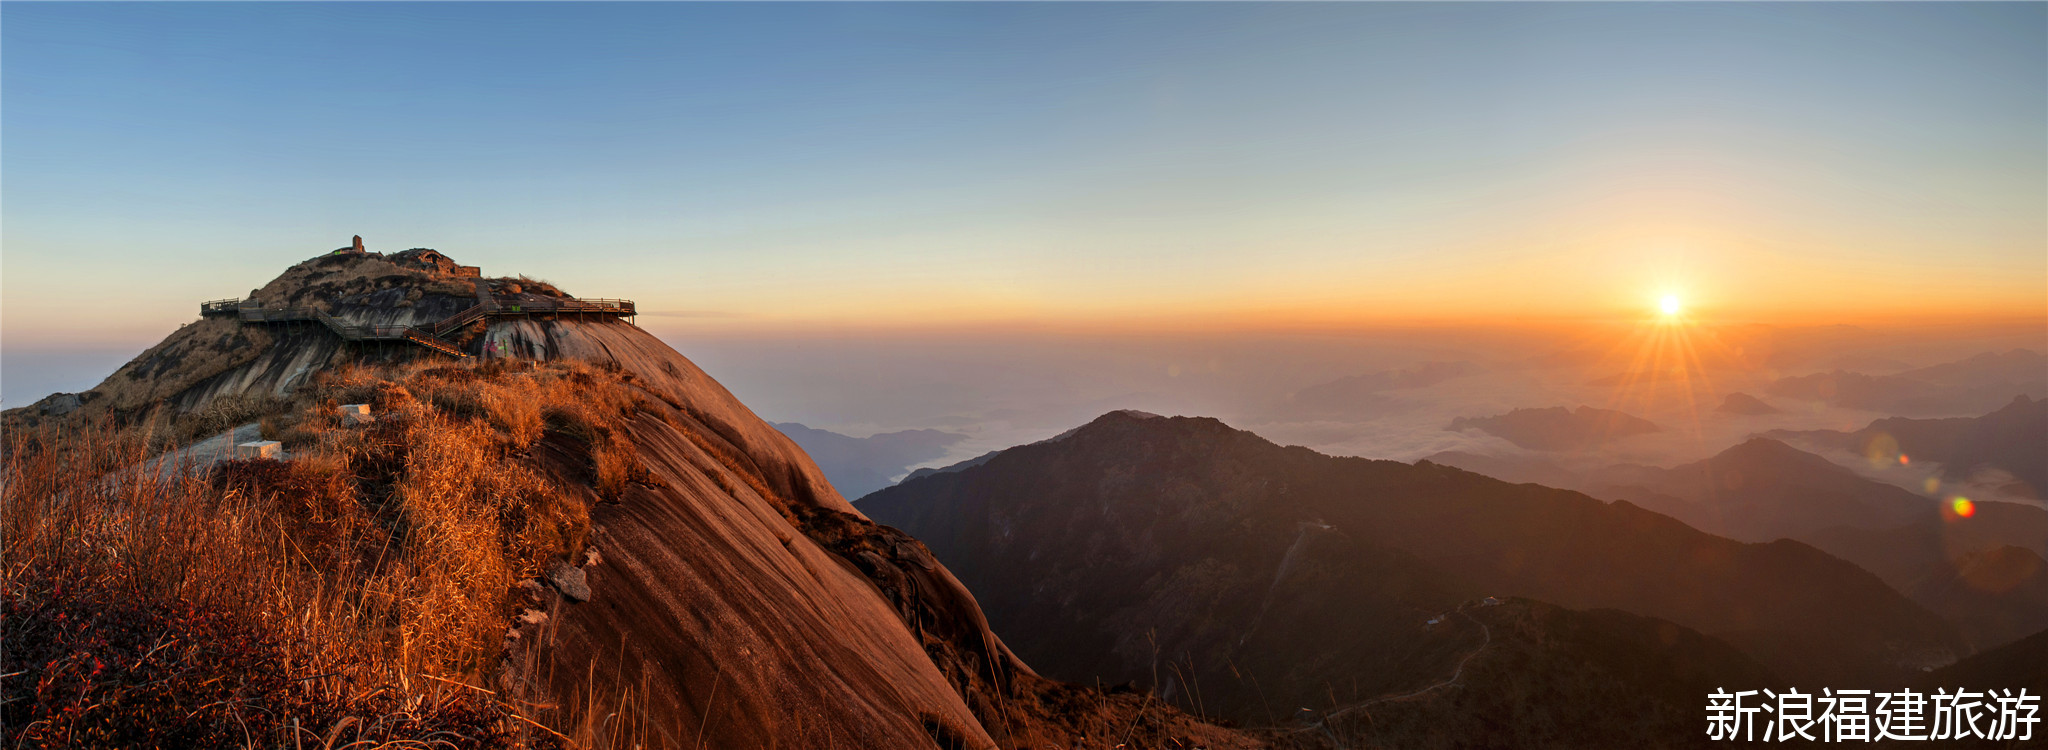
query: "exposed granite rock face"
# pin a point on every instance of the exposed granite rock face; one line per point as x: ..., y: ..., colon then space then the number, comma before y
x: 747, y: 604
x: 59, y: 404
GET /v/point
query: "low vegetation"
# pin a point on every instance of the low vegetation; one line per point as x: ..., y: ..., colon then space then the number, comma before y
x: 358, y: 592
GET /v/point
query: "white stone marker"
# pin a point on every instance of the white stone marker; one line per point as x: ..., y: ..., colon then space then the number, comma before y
x: 260, y: 449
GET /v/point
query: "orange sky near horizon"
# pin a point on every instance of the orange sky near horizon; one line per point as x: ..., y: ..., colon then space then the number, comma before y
x: 1177, y: 167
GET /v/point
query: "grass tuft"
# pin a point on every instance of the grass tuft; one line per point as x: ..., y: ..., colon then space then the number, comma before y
x: 355, y: 593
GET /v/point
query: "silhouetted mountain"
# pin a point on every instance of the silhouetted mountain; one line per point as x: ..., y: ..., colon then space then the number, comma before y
x: 858, y: 466
x: 1554, y: 677
x: 1209, y: 561
x: 1743, y: 403
x: 1513, y: 469
x: 1991, y: 370
x: 1557, y: 428
x: 2014, y: 666
x: 1972, y: 385
x: 1762, y: 490
x: 2013, y: 439
x: 975, y: 461
x: 1984, y: 573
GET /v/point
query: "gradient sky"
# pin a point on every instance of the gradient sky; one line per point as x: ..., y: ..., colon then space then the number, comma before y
x: 760, y: 167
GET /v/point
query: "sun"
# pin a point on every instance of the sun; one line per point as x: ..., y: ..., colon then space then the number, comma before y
x: 1669, y: 305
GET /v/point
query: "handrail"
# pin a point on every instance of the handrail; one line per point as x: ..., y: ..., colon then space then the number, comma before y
x: 573, y: 303
x: 460, y: 319
x: 215, y: 306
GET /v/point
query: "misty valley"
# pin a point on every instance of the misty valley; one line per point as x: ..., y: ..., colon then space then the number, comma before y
x: 955, y: 375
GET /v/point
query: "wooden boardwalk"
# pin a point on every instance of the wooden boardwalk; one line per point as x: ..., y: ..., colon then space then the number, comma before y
x: 432, y: 337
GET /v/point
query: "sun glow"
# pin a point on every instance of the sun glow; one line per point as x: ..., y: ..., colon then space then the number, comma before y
x: 1669, y: 305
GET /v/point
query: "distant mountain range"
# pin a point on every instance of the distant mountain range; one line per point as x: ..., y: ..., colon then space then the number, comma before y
x: 1241, y: 576
x: 1984, y: 573
x: 2013, y: 439
x: 1759, y: 491
x: 858, y: 466
x: 1973, y: 385
x: 1743, y: 403
x: 1558, y: 428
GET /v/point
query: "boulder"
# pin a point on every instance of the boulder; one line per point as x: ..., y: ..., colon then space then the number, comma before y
x: 569, y: 580
x: 60, y: 404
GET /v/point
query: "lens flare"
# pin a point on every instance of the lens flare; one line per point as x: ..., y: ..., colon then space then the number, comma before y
x: 1963, y: 507
x: 1903, y: 460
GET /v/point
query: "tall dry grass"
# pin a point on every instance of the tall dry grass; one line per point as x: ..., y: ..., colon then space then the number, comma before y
x: 357, y: 592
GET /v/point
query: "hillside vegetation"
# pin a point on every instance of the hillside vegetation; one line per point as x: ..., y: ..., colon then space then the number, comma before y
x: 373, y: 574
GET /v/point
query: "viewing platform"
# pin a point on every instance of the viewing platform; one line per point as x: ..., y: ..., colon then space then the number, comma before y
x: 430, y: 336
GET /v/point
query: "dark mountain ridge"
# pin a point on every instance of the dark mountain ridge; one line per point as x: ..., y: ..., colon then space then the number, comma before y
x: 1139, y: 543
x: 2013, y: 439
x: 1764, y: 489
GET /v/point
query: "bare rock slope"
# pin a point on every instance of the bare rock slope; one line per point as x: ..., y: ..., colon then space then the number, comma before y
x: 735, y: 599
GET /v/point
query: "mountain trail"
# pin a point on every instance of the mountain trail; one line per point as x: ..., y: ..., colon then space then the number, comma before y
x: 1456, y: 675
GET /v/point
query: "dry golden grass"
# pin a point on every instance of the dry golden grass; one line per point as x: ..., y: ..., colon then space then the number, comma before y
x: 381, y: 562
x: 195, y: 352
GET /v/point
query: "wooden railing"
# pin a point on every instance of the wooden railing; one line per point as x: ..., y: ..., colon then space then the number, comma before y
x: 219, y: 306
x: 460, y: 319
x: 571, y: 305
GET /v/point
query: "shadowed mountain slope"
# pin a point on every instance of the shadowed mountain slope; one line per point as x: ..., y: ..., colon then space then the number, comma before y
x: 1763, y: 490
x: 1554, y: 678
x: 2014, y: 666
x: 1981, y: 572
x: 2013, y: 439
x: 1138, y: 543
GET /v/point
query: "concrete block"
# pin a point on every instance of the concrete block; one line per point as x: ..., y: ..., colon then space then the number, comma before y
x: 355, y: 414
x: 260, y: 449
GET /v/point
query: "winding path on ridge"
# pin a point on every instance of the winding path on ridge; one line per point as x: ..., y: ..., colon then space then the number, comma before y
x: 1456, y: 675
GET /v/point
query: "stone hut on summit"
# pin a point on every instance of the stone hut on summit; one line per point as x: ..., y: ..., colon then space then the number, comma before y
x: 418, y: 297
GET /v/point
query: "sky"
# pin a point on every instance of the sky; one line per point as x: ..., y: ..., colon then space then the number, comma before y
x: 747, y: 170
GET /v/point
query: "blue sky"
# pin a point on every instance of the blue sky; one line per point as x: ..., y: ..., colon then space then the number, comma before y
x: 789, y: 166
